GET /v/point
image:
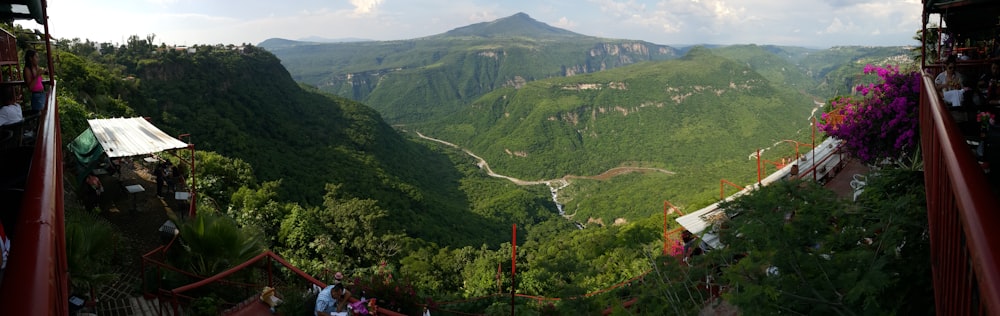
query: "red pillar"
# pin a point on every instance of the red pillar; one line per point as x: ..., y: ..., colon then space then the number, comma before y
x: 513, y: 266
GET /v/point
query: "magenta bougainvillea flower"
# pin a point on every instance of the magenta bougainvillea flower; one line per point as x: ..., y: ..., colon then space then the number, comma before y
x: 882, y: 122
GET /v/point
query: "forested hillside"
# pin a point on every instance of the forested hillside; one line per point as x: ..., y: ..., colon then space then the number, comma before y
x: 333, y: 186
x: 697, y: 118
x: 416, y: 80
x: 359, y: 227
x: 240, y: 102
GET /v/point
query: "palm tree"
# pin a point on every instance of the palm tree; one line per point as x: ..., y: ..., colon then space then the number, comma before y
x: 212, y: 243
x: 88, y: 251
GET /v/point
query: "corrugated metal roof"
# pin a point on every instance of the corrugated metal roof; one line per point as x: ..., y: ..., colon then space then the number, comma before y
x: 123, y: 137
x: 698, y: 221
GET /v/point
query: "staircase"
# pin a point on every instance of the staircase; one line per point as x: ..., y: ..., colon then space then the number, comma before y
x: 117, y: 299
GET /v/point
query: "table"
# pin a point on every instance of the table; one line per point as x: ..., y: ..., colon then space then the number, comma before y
x: 150, y: 159
x: 133, y: 189
x: 182, y: 202
x: 167, y: 231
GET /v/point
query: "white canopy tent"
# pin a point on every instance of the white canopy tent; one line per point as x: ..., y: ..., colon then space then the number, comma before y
x: 123, y: 137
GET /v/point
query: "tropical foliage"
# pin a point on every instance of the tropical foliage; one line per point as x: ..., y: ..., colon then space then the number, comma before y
x: 793, y: 247
x: 212, y: 243
x: 90, y: 245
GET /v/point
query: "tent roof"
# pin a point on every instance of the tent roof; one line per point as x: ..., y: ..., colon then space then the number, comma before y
x: 122, y: 137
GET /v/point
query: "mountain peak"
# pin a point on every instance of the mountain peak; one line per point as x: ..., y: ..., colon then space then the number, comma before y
x: 517, y: 25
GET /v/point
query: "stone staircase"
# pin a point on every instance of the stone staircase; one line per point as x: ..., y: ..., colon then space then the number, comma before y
x: 118, y: 299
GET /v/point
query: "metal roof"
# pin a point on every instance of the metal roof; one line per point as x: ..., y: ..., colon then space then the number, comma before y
x: 123, y: 137
x: 964, y: 16
x: 23, y: 10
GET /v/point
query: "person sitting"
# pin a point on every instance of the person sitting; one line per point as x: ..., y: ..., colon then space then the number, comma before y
x: 95, y: 183
x: 950, y: 82
x: 11, y: 111
x: 332, y: 300
x: 989, y: 84
x: 115, y: 166
x: 270, y: 297
x: 4, y: 251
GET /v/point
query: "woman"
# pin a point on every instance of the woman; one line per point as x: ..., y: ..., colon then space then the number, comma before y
x: 949, y: 83
x: 33, y: 78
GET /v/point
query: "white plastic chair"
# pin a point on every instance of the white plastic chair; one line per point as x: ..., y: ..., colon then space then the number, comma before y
x: 858, y: 184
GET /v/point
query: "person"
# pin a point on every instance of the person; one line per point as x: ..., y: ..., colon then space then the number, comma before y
x: 160, y: 173
x: 95, y: 184
x: 115, y: 166
x: 4, y: 251
x: 11, y: 111
x: 270, y: 297
x: 170, y: 176
x: 338, y: 278
x: 949, y: 83
x: 92, y: 191
x: 332, y: 300
x: 33, y: 78
x: 989, y: 84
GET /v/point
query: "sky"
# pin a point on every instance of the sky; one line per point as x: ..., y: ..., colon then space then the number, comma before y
x: 806, y: 23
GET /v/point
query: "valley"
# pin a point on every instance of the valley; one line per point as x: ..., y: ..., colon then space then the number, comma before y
x: 417, y: 156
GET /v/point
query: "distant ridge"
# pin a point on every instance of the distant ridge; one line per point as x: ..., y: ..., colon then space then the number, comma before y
x: 517, y: 25
x: 307, y: 41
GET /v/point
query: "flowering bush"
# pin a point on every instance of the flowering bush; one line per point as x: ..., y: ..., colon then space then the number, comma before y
x: 882, y: 124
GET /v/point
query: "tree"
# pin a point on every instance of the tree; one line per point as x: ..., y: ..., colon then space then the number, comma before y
x: 343, y: 234
x: 260, y: 209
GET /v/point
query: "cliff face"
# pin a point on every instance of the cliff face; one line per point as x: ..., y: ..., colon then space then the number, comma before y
x: 416, y: 80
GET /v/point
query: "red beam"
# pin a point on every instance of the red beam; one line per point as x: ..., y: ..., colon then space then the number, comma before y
x: 961, y: 212
x: 36, y: 281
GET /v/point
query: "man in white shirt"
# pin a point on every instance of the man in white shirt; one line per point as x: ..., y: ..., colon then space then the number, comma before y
x: 11, y: 111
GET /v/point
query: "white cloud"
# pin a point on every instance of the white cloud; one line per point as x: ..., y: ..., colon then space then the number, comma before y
x: 564, y: 23
x: 621, y: 8
x: 783, y: 22
x: 363, y: 7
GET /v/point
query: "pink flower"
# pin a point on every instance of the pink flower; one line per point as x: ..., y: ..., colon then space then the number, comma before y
x: 883, y: 123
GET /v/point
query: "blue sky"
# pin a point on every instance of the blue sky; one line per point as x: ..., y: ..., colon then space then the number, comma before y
x: 810, y: 23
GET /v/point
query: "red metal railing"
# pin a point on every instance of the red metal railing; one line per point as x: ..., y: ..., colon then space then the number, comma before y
x: 962, y: 215
x: 36, y: 282
x: 176, y: 296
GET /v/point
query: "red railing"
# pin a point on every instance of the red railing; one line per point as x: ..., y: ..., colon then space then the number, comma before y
x: 962, y: 215
x: 176, y: 297
x: 35, y: 282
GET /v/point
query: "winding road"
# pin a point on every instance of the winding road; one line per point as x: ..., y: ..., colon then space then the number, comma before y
x: 562, y: 182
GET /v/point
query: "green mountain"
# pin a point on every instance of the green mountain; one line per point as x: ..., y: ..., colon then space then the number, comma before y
x: 823, y: 73
x: 241, y: 103
x: 698, y: 117
x: 421, y: 79
x: 517, y: 25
